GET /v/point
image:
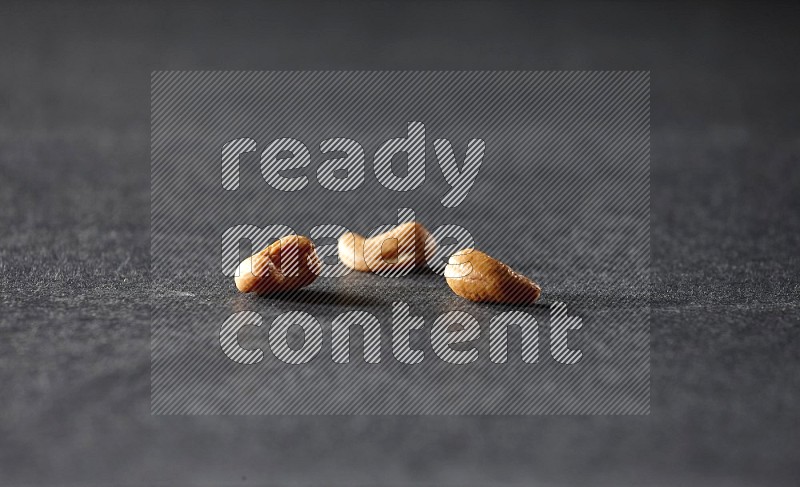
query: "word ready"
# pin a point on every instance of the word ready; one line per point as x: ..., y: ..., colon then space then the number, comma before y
x: 345, y: 170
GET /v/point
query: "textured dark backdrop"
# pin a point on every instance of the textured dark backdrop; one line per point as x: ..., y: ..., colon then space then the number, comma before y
x: 74, y: 213
x: 577, y: 219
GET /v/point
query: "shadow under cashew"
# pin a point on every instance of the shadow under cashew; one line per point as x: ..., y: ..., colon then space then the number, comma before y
x: 338, y: 297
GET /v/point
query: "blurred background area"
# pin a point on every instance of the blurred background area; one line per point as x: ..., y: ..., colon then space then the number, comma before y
x: 66, y: 60
x: 74, y: 245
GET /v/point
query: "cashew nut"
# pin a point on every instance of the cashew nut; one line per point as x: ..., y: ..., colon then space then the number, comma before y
x: 401, y: 247
x: 475, y: 276
x: 286, y: 264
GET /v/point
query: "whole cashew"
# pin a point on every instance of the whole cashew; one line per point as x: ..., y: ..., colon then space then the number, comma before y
x: 475, y: 276
x: 402, y: 247
x: 286, y: 264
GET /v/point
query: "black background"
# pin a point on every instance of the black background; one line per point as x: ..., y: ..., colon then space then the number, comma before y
x: 74, y: 213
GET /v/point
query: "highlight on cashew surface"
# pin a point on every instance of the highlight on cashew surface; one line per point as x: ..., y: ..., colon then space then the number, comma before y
x: 478, y: 277
x: 286, y: 264
x: 402, y: 247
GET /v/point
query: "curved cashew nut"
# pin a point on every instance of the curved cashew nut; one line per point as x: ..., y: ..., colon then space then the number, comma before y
x: 401, y: 247
x: 475, y: 276
x: 286, y: 264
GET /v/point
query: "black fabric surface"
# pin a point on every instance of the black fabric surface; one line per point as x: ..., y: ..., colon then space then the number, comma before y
x: 74, y: 209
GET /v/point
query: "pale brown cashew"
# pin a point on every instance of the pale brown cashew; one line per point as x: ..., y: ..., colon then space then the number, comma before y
x: 475, y: 276
x: 400, y: 248
x: 286, y: 264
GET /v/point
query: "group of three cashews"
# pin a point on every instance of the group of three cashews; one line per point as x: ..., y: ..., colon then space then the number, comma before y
x: 292, y: 263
